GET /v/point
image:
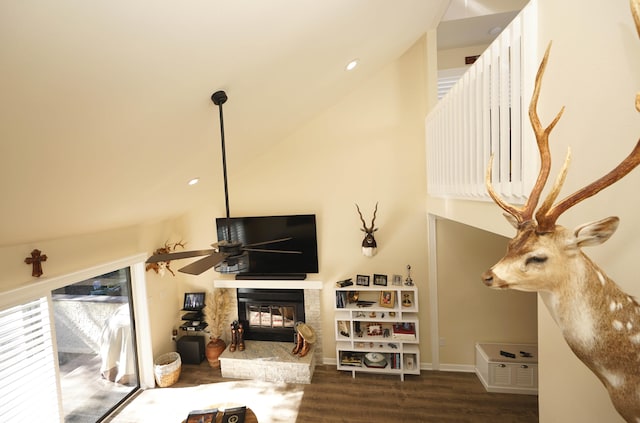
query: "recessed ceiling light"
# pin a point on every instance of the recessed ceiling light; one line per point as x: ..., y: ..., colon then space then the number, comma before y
x: 352, y: 65
x: 194, y: 181
x: 495, y: 31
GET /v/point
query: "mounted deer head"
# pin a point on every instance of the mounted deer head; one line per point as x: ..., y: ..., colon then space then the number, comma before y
x: 369, y: 245
x: 600, y: 322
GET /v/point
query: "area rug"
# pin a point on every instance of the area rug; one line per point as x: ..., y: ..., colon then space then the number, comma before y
x: 271, y: 402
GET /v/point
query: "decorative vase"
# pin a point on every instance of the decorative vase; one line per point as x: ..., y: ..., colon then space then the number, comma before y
x: 214, y: 348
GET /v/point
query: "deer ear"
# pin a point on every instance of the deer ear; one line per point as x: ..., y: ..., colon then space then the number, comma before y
x: 595, y: 233
x: 512, y: 220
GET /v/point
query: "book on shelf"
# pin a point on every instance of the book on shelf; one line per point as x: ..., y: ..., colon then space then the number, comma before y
x: 351, y: 359
x: 404, y: 331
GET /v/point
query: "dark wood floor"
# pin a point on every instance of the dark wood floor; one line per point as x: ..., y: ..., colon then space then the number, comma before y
x: 335, y: 396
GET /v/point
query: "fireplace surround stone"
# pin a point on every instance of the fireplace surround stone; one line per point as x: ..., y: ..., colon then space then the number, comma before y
x: 273, y: 361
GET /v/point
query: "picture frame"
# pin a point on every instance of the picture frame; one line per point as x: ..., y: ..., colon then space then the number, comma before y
x: 387, y: 299
x: 202, y: 416
x: 396, y: 280
x: 362, y: 280
x: 380, y: 280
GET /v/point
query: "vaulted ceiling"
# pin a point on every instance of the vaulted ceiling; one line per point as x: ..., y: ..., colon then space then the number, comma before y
x: 105, y: 109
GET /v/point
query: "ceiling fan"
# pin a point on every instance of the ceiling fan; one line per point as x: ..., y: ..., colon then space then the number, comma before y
x: 227, y: 255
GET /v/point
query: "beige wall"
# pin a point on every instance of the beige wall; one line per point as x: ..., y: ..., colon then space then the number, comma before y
x: 593, y: 71
x: 366, y: 148
x: 468, y: 311
x: 69, y: 255
x: 454, y: 57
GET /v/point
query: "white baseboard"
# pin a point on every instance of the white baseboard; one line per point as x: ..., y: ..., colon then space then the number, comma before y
x: 465, y: 368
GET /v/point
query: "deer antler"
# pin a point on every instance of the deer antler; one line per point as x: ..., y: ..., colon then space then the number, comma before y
x: 548, y: 214
x: 547, y: 221
x: 364, y: 225
x: 525, y: 213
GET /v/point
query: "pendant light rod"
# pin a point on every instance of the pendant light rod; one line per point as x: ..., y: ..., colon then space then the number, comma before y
x: 219, y: 98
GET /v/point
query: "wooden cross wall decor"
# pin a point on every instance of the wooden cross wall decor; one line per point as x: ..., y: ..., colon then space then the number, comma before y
x: 36, y: 260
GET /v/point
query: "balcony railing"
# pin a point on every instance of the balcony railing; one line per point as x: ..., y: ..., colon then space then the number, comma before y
x: 486, y: 113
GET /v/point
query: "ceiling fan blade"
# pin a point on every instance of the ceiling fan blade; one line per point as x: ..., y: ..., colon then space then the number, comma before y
x: 268, y: 242
x: 204, y: 264
x: 263, y: 250
x: 176, y: 256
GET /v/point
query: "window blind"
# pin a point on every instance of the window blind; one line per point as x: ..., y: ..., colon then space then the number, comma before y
x: 28, y: 385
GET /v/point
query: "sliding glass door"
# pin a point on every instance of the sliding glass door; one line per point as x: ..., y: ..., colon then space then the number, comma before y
x: 95, y: 338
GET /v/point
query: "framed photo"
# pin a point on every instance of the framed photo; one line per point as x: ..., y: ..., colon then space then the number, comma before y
x: 387, y: 299
x: 396, y: 280
x: 362, y: 280
x: 380, y: 280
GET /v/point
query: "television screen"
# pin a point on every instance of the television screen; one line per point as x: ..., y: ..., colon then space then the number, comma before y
x: 193, y: 301
x: 300, y: 228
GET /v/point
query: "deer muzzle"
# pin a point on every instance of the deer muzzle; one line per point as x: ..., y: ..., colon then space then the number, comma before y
x: 487, y: 278
x: 492, y: 281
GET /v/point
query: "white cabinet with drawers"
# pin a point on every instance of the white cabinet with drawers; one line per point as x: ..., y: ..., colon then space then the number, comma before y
x: 508, y: 368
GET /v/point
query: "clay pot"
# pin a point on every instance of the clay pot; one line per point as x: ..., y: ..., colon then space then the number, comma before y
x: 214, y: 348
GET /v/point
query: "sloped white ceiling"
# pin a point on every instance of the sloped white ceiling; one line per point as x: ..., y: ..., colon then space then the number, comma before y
x: 105, y: 109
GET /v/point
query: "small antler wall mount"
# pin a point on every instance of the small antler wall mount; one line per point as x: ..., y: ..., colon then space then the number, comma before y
x: 369, y: 245
x: 599, y: 321
x: 162, y: 266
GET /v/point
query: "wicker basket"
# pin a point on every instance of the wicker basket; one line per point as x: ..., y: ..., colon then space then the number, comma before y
x: 167, y: 369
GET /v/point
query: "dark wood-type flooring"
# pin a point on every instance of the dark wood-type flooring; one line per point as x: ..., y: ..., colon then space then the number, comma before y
x: 433, y: 396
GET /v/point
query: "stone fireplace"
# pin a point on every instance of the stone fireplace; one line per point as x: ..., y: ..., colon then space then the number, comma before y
x: 270, y: 309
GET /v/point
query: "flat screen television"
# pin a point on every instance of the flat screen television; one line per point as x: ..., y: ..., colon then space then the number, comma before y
x: 257, y: 229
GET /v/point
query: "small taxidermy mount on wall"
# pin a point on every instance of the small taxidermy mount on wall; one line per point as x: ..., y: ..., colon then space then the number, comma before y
x: 35, y: 261
x: 369, y: 245
x: 162, y: 266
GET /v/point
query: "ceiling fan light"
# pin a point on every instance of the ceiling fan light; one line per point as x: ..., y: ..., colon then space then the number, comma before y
x: 234, y: 264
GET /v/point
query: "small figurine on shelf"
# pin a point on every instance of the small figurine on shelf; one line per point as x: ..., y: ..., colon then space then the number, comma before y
x: 406, y: 302
x: 408, y: 281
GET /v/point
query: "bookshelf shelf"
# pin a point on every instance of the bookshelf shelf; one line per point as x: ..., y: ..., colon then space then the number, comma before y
x: 377, y: 329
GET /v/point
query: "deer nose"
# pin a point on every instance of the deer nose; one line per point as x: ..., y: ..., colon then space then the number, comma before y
x: 487, y: 278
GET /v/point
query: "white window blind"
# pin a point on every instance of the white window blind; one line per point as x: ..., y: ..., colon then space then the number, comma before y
x: 447, y: 78
x: 28, y: 385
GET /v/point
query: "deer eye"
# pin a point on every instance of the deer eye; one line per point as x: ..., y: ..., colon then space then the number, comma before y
x: 535, y: 259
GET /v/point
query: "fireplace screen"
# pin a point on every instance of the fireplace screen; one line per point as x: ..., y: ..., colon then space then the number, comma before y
x: 270, y: 316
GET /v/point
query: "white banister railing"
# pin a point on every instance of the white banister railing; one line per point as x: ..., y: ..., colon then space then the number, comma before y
x: 485, y: 113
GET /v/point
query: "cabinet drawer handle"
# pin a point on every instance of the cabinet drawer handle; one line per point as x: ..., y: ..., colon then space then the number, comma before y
x: 502, y: 365
x: 524, y: 366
